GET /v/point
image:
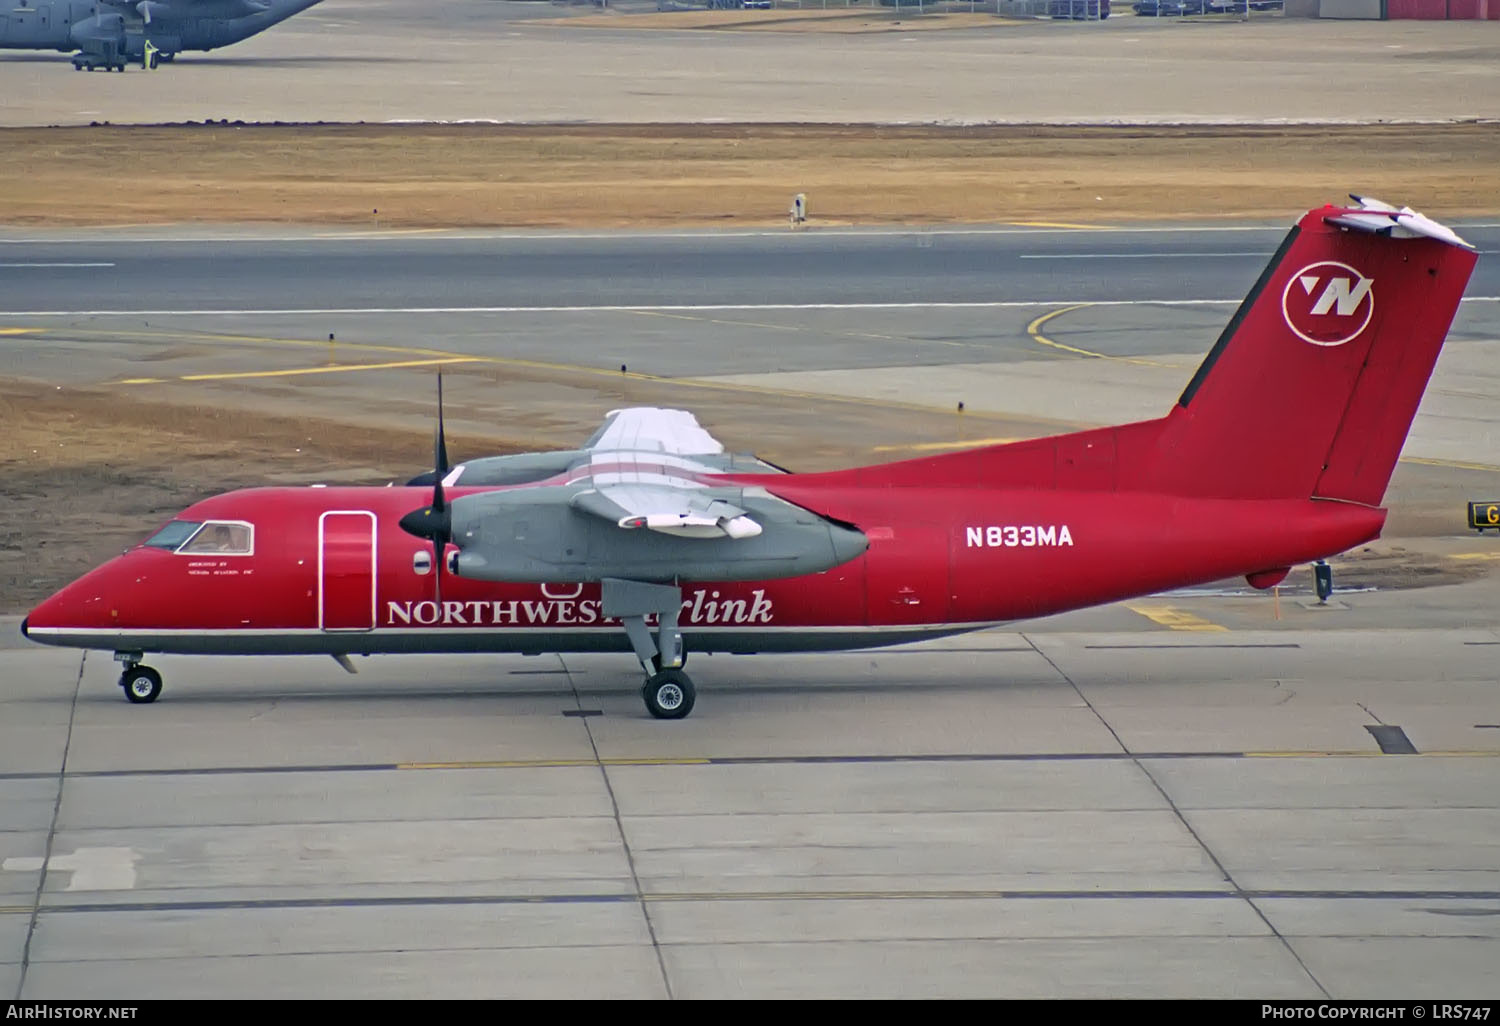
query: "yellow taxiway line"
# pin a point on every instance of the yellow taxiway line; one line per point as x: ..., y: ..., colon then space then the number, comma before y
x: 1456, y: 464
x: 1034, y: 331
x: 337, y: 368
x: 972, y: 443
x: 1176, y: 619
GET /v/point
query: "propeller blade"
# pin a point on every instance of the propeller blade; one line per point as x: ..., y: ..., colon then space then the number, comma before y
x: 434, y: 521
x: 440, y: 453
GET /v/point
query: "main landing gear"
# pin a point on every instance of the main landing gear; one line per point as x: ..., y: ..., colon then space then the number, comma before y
x: 141, y: 684
x: 669, y: 693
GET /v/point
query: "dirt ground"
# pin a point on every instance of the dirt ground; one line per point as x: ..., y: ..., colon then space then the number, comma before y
x: 728, y: 175
x: 84, y: 474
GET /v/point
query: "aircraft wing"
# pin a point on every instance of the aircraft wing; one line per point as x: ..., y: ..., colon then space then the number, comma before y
x: 684, y: 512
x: 646, y: 467
x: 644, y: 500
x: 649, y: 429
x: 191, y: 8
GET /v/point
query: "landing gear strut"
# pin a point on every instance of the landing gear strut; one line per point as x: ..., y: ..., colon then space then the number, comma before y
x: 142, y: 684
x: 669, y: 693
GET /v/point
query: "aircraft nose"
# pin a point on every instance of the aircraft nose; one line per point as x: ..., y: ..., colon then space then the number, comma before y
x: 89, y: 603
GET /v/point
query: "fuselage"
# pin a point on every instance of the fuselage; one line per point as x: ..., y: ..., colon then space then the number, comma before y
x: 328, y: 570
x: 68, y: 25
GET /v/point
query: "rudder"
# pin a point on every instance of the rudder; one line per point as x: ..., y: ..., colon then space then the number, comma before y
x: 1312, y: 388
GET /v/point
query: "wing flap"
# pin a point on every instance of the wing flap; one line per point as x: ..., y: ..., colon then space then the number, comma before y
x: 671, y: 511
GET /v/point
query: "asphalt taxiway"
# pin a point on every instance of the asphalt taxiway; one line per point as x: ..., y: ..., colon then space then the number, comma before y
x: 1212, y: 793
x: 1030, y: 327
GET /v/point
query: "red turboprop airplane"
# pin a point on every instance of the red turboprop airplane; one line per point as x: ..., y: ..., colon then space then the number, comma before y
x: 1278, y: 453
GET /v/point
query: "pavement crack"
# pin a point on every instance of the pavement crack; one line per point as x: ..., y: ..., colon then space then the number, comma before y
x: 1238, y: 891
x: 41, y: 881
x: 614, y: 804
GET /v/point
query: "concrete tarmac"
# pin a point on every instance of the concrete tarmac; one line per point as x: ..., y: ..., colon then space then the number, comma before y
x: 357, y: 60
x: 1046, y: 813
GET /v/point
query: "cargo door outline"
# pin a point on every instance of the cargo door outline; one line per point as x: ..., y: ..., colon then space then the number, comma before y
x: 345, y: 601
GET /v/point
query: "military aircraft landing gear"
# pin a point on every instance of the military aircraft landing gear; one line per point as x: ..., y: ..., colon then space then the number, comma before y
x: 142, y: 684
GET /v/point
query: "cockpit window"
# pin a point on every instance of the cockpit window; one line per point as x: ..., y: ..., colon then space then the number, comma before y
x: 173, y: 535
x: 221, y: 537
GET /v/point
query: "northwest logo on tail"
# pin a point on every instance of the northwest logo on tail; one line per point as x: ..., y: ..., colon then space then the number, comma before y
x: 1328, y: 303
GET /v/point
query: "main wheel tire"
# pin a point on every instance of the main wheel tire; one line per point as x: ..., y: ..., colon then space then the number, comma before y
x: 669, y: 695
x: 142, y: 684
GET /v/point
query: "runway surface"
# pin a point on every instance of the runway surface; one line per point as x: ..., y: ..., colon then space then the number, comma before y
x: 155, y: 270
x: 358, y: 60
x: 1041, y: 326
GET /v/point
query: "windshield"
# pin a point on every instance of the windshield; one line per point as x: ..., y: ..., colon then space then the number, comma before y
x: 173, y: 535
x: 231, y: 538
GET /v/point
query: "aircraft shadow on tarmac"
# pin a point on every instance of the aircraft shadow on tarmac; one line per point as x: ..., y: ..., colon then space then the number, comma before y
x: 193, y: 60
x: 500, y: 691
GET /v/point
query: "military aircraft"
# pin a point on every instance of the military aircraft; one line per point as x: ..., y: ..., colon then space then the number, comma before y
x: 108, y: 33
x: 650, y: 538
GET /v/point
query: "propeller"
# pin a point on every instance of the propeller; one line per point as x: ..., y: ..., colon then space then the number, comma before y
x: 435, y: 521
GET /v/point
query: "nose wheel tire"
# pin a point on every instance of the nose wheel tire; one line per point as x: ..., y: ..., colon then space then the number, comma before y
x: 142, y: 684
x: 669, y: 695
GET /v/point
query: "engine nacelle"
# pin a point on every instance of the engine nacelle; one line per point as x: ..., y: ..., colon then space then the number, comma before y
x: 103, y: 34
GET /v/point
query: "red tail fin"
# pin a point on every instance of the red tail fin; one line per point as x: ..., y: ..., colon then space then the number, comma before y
x: 1313, y: 386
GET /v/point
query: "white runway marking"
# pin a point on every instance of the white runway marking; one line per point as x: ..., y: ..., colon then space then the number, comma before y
x: 427, y: 234
x: 1020, y: 304
x: 440, y: 234
x: 58, y: 265
x: 93, y: 869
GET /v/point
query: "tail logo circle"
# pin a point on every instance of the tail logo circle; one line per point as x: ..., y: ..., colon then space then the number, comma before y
x: 1328, y: 303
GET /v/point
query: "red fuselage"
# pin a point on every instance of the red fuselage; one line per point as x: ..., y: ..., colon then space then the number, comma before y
x: 331, y: 572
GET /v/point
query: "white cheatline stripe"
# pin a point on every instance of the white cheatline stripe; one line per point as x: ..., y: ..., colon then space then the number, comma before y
x: 498, y: 630
x: 1019, y: 304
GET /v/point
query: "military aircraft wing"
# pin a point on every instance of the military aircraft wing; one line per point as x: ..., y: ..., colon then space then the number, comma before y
x: 146, y: 9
